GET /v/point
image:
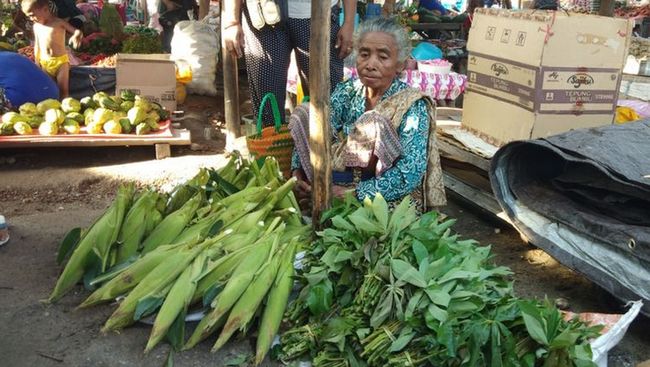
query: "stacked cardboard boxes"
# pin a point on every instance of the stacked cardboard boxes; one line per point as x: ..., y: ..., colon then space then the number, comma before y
x: 537, y: 73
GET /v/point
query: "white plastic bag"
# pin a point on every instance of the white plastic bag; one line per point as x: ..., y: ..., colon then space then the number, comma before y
x: 601, y: 346
x: 198, y: 45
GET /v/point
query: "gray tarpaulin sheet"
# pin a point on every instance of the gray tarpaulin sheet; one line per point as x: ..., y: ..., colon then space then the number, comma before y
x: 584, y: 197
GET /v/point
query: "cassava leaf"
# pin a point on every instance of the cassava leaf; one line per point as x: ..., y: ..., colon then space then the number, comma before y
x: 447, y: 337
x: 383, y: 310
x: 438, y: 296
x: 420, y: 252
x: 406, y: 335
x: 362, y: 223
x: 533, y: 321
x: 565, y: 339
x: 319, y: 298
x: 405, y: 272
x: 340, y: 223
x: 468, y: 306
x: 413, y: 304
x: 495, y: 346
x: 435, y: 313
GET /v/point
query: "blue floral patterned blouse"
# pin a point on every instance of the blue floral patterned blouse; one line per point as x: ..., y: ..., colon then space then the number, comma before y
x: 348, y: 103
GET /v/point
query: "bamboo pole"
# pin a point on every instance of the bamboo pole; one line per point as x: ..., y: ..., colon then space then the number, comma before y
x: 230, y: 91
x: 389, y: 8
x: 606, y: 8
x: 319, y: 113
x: 204, y: 8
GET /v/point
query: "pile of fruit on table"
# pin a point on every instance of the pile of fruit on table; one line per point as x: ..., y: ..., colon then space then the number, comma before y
x: 97, y: 114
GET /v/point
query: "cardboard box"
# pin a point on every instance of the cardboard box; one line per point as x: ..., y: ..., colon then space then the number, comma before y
x: 538, y: 73
x: 150, y: 76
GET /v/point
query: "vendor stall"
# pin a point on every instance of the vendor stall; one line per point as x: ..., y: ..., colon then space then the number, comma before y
x: 350, y: 278
x: 445, y: 87
x: 103, y: 86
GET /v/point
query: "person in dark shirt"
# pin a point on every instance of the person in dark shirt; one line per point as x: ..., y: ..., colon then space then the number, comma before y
x: 172, y: 12
x: 68, y: 11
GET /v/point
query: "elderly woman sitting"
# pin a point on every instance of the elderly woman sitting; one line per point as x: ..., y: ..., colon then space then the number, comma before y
x: 383, y: 130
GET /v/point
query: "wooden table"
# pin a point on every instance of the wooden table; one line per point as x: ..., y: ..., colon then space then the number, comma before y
x: 161, y: 144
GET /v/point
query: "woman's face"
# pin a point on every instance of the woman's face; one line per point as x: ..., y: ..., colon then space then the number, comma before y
x: 377, y: 61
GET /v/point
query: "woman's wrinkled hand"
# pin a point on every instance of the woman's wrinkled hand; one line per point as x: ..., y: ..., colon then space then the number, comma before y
x: 233, y: 37
x: 340, y: 191
x: 302, y: 190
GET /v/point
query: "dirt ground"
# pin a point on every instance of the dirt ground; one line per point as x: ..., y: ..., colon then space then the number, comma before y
x: 46, y: 192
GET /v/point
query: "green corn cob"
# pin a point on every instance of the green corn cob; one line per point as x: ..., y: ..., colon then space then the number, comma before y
x: 152, y: 219
x: 133, y: 228
x: 103, y: 246
x: 98, y: 238
x: 239, y: 280
x: 200, y: 229
x: 177, y: 301
x: 246, y: 306
x: 130, y: 277
x: 160, y: 277
x: 275, y: 304
x: 172, y: 225
x: 253, y: 194
x: 218, y: 270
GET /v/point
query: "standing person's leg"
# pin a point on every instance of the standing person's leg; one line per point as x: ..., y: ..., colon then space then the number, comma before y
x: 336, y: 63
x: 300, y: 33
x: 63, y: 80
x: 267, y: 54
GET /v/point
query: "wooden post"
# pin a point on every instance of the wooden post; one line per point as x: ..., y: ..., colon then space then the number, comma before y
x: 230, y: 92
x: 145, y: 11
x: 388, y: 8
x: 319, y: 113
x: 606, y: 8
x: 204, y: 8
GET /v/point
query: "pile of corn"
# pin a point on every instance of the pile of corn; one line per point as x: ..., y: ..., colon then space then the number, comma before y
x: 225, y: 240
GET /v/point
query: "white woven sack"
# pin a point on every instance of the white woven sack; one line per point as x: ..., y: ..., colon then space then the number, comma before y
x: 197, y: 44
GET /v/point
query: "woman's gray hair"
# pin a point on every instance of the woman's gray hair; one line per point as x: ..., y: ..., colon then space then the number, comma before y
x: 388, y: 26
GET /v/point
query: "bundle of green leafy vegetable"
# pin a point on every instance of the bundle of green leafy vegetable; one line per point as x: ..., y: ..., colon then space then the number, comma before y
x: 386, y: 288
x: 142, y: 43
x: 110, y: 22
x: 140, y: 29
